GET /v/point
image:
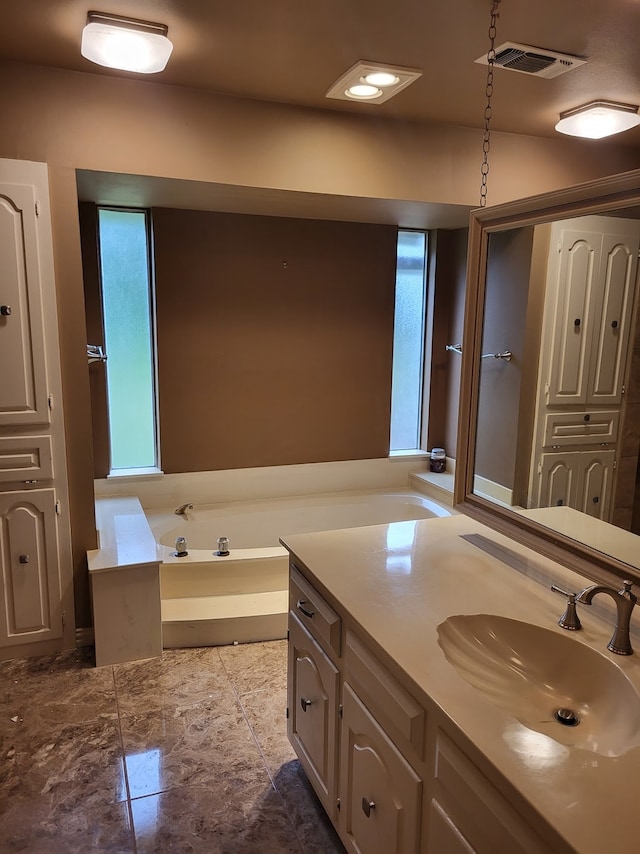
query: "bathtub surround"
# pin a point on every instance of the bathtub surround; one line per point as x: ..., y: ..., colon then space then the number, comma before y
x: 184, y: 753
x: 209, y: 487
x: 142, y: 589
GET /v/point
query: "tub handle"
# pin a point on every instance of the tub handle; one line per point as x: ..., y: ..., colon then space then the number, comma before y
x: 309, y: 614
x: 304, y: 703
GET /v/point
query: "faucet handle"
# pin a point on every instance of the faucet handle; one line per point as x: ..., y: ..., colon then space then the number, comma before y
x: 626, y: 592
x: 569, y: 619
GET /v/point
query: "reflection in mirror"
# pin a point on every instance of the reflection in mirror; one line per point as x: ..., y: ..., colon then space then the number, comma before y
x: 555, y: 435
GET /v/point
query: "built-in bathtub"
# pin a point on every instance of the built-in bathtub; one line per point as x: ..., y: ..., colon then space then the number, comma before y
x: 210, y: 599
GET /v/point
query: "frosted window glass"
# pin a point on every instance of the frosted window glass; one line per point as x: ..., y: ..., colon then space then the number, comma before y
x: 408, y: 342
x: 126, y: 302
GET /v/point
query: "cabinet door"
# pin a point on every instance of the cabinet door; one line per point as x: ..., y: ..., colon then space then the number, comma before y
x: 576, y: 292
x: 380, y: 793
x: 312, y: 697
x: 23, y: 389
x: 30, y: 568
x: 579, y: 479
x: 611, y: 327
x: 558, y: 480
x: 595, y: 483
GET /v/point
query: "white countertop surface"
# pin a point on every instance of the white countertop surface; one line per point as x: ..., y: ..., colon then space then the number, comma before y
x: 398, y: 582
x: 125, y: 538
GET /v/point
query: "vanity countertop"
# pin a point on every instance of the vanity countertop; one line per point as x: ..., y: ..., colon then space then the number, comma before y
x: 398, y: 582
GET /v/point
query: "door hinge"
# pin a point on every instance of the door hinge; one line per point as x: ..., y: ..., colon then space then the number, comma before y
x: 288, y: 634
x: 50, y: 402
x: 287, y: 713
x: 58, y: 507
x: 37, y: 206
x: 63, y: 618
x: 339, y: 710
x: 559, y: 246
x: 624, y: 388
x: 338, y: 804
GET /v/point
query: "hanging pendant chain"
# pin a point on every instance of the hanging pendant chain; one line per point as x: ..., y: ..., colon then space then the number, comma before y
x: 486, y: 139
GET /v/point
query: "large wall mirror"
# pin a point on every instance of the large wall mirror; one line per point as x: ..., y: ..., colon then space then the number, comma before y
x: 549, y: 436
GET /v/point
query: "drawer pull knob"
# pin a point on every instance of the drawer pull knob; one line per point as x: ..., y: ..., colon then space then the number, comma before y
x: 614, y: 324
x: 577, y: 322
x: 587, y: 417
x: 305, y: 611
x: 304, y: 703
x: 24, y: 558
x: 5, y: 310
x: 367, y: 806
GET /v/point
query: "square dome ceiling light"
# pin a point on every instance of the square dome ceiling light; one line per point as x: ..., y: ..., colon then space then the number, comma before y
x: 125, y: 43
x: 598, y: 119
x: 372, y: 82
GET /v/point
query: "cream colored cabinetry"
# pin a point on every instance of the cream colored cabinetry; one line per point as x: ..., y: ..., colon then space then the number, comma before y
x: 31, y: 607
x: 391, y: 780
x: 35, y: 547
x: 587, y: 318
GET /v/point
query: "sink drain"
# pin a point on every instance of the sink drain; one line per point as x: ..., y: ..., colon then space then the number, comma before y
x: 566, y: 717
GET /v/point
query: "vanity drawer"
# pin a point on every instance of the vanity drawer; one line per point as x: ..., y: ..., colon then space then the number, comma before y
x: 394, y: 708
x: 25, y: 458
x: 314, y: 612
x: 580, y: 428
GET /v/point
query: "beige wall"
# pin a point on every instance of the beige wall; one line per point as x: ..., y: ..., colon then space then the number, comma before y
x: 75, y: 121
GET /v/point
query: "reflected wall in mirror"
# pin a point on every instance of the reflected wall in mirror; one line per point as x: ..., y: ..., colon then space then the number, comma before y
x: 553, y: 437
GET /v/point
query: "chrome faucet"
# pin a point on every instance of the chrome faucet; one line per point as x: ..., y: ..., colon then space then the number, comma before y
x: 180, y: 511
x: 625, y: 601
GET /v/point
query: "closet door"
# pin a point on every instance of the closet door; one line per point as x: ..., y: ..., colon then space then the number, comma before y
x: 31, y: 607
x: 576, y: 295
x: 23, y: 389
x: 618, y: 267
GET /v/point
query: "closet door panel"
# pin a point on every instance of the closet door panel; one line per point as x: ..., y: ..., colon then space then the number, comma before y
x: 611, y: 330
x: 23, y: 389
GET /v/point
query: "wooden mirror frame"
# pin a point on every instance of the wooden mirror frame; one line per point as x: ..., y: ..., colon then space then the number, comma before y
x: 596, y: 197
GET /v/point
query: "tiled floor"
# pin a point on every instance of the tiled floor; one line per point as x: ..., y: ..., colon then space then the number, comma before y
x: 187, y: 753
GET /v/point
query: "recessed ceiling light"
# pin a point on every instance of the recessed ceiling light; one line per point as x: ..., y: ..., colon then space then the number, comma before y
x: 363, y: 91
x: 381, y: 79
x: 125, y: 43
x: 372, y: 82
x: 598, y: 119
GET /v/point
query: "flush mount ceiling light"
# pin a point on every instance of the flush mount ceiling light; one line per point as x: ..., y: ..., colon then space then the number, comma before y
x: 125, y: 43
x: 598, y: 119
x: 373, y: 82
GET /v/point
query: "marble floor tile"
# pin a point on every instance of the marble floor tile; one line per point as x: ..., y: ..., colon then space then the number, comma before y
x: 313, y: 828
x: 173, y: 747
x: 29, y: 826
x: 187, y: 753
x: 255, y: 665
x: 181, y: 678
x: 213, y: 820
x: 266, y: 713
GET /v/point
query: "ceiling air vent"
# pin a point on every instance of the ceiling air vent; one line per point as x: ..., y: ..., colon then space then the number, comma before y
x: 533, y: 60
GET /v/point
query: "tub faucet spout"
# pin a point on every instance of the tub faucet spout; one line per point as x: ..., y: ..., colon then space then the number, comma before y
x: 180, y: 511
x: 625, y: 600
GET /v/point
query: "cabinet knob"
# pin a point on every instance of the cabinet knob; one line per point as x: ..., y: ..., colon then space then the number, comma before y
x: 305, y: 611
x: 614, y: 324
x: 595, y: 499
x: 587, y: 417
x: 304, y: 703
x: 24, y: 558
x: 577, y: 322
x: 5, y: 310
x: 367, y: 806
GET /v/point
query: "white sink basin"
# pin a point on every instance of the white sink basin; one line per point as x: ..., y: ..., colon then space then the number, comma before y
x: 531, y: 673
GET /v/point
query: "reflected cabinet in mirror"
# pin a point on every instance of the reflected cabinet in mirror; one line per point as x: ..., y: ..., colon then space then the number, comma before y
x: 549, y: 438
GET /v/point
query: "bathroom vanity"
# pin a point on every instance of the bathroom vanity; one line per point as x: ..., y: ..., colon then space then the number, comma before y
x: 411, y: 728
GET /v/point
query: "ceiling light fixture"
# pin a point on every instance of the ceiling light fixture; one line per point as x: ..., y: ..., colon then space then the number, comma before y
x: 373, y: 82
x: 125, y: 43
x: 598, y: 119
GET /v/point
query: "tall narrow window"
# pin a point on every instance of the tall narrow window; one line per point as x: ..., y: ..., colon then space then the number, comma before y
x: 408, y: 341
x: 128, y: 331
